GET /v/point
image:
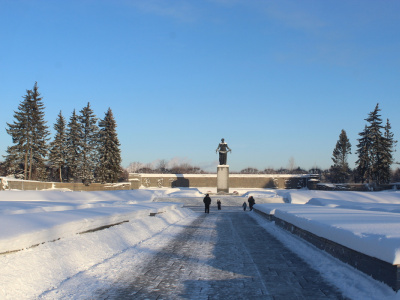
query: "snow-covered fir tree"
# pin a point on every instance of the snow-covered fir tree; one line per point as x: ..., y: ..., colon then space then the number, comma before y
x: 29, y: 133
x: 88, y: 158
x: 378, y: 144
x: 58, y: 147
x: 16, y: 160
x: 387, y: 155
x: 364, y: 162
x: 375, y: 150
x: 74, y: 145
x: 340, y: 169
x: 109, y: 169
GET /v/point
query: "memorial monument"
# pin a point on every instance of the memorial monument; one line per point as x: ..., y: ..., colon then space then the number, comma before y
x: 223, y: 168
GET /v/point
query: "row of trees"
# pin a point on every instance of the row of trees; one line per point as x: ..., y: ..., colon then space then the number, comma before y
x: 374, y: 150
x: 84, y: 150
x: 326, y: 175
x: 164, y: 167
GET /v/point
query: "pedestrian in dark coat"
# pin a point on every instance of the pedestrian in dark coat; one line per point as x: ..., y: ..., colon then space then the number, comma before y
x: 207, y: 202
x: 244, y: 206
x: 219, y: 204
x: 251, y: 202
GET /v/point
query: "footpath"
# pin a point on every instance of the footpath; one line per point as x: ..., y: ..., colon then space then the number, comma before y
x: 221, y: 256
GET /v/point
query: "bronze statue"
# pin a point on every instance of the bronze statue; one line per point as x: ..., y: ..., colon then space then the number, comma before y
x: 223, y: 150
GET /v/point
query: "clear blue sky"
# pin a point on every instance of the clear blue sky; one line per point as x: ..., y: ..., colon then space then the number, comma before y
x: 276, y: 79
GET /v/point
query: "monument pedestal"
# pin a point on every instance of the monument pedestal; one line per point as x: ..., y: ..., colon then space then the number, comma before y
x: 223, y: 178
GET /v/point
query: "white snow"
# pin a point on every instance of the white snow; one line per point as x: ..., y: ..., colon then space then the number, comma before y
x: 367, y: 222
x: 364, y: 221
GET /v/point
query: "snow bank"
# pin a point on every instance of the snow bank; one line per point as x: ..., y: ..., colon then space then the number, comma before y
x: 375, y: 234
x: 29, y: 218
x: 28, y: 274
x: 304, y: 196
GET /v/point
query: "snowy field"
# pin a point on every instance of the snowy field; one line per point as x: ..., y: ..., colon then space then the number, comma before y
x: 50, y: 227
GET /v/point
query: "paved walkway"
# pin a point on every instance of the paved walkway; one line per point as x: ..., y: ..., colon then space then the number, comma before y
x: 224, y: 255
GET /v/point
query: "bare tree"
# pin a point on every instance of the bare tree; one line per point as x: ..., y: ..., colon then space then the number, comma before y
x: 250, y: 170
x: 134, y: 167
x: 291, y: 164
x: 162, y: 166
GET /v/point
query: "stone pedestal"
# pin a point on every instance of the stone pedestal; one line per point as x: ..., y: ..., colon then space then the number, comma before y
x: 223, y: 178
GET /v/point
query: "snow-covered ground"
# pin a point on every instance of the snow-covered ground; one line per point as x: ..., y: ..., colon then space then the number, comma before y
x: 53, y: 220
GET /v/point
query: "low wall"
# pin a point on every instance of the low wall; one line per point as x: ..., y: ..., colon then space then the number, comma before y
x: 171, y: 180
x: 9, y: 184
x: 284, y: 181
x: 376, y: 268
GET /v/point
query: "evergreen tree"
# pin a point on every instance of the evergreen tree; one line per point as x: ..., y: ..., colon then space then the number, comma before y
x: 109, y: 153
x: 58, y: 147
x: 364, y: 159
x: 89, y: 144
x: 30, y: 136
x: 17, y: 155
x: 375, y: 150
x: 340, y: 169
x: 40, y: 139
x: 74, y: 133
x: 387, y: 156
x: 378, y: 144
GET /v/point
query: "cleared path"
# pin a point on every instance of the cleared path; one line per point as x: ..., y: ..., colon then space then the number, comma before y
x: 223, y: 255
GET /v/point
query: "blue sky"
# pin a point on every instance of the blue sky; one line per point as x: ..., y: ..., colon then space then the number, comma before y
x: 276, y: 79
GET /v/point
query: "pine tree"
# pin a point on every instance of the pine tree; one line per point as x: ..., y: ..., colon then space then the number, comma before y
x: 89, y: 142
x: 30, y: 136
x: 21, y: 137
x: 387, y: 156
x: 58, y: 147
x: 74, y: 145
x: 109, y: 153
x: 378, y: 144
x: 364, y: 158
x: 375, y: 150
x: 40, y: 139
x: 340, y: 169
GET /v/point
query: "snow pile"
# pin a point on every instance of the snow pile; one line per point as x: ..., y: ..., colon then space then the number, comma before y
x: 366, y: 222
x: 30, y: 218
x: 304, y: 196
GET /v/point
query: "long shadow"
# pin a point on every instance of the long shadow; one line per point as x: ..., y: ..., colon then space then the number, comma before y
x: 224, y: 256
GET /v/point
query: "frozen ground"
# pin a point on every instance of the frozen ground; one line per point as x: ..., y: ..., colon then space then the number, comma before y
x: 52, y: 219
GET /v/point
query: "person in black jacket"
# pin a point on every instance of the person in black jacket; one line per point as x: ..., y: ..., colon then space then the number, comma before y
x: 219, y: 204
x: 207, y: 202
x: 251, y: 202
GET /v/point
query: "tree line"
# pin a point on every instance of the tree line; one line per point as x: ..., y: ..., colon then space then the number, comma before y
x: 85, y: 149
x: 164, y: 166
x: 375, y: 148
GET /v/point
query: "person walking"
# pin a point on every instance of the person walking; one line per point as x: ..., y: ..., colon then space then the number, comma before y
x: 219, y: 204
x: 207, y: 202
x: 251, y: 202
x: 244, y: 206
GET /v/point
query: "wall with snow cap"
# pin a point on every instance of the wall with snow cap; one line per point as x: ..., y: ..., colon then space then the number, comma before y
x: 280, y: 181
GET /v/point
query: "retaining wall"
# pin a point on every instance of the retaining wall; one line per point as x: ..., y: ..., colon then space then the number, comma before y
x: 378, y: 269
x: 284, y: 181
x: 172, y: 180
x: 9, y: 184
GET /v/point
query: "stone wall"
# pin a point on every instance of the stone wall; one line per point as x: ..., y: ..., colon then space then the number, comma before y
x: 10, y: 184
x: 376, y: 268
x: 235, y: 180
x: 170, y: 180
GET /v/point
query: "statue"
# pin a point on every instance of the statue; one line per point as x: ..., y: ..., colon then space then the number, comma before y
x: 223, y: 150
